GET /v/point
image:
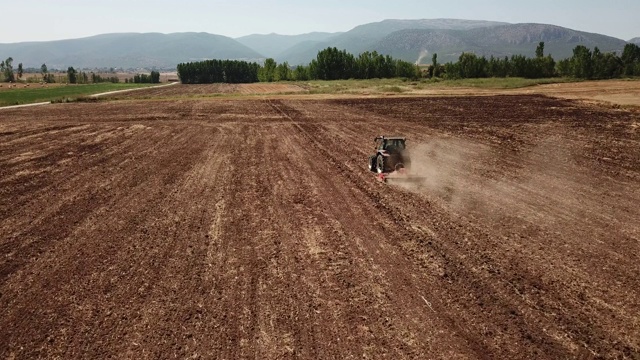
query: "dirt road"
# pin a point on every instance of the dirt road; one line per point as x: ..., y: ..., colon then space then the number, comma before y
x: 251, y: 229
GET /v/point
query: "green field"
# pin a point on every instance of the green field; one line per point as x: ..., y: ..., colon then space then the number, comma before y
x: 36, y: 94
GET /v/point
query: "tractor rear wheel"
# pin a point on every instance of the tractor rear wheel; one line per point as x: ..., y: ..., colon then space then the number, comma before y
x: 380, y: 164
x: 372, y: 163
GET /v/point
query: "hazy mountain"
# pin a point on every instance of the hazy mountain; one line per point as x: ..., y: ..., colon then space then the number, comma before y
x: 128, y: 50
x: 272, y: 45
x: 404, y: 39
x: 635, y: 41
x: 499, y: 41
x: 365, y: 37
x: 302, y: 53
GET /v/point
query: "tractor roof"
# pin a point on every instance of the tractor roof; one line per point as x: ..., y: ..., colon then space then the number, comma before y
x: 391, y: 138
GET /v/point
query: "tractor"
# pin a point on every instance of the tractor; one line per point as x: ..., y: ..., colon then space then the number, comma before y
x: 390, y: 156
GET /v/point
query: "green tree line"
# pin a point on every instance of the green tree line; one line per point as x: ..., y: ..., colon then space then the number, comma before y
x: 334, y: 64
x: 218, y: 71
x: 584, y: 64
x: 330, y: 64
x: 153, y: 78
x: 73, y: 76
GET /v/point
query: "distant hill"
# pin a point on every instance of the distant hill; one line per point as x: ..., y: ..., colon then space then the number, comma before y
x: 499, y: 41
x: 403, y: 39
x: 272, y: 45
x: 128, y: 50
x: 635, y: 41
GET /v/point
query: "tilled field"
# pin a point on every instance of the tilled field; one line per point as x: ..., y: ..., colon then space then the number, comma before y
x: 181, y: 90
x: 251, y: 229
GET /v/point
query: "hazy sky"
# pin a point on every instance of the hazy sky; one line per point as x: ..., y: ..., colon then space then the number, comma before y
x: 40, y: 20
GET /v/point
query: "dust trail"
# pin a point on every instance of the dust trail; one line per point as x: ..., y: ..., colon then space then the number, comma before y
x: 541, y: 184
x: 423, y: 54
x: 445, y: 167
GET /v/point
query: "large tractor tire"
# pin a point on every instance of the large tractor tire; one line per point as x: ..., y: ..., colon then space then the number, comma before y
x: 372, y: 163
x: 380, y: 164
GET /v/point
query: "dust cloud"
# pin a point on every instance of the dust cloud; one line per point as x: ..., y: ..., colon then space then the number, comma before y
x: 444, y: 167
x: 423, y: 54
x: 540, y: 183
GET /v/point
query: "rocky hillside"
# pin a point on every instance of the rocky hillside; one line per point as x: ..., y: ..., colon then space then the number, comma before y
x: 366, y: 37
x: 499, y: 41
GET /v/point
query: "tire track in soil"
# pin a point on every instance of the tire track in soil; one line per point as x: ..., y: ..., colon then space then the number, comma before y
x: 585, y: 322
x: 514, y: 288
x: 398, y: 287
x: 127, y: 223
x: 251, y: 229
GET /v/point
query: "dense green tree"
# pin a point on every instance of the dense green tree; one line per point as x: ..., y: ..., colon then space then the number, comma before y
x: 543, y: 67
x: 95, y: 78
x: 407, y: 70
x: 586, y: 64
x: 366, y: 65
x: 333, y: 64
x: 582, y: 63
x: 142, y: 79
x: 218, y: 71
x: 312, y: 70
x: 155, y: 77
x: 267, y: 72
x: 71, y: 75
x: 471, y: 66
x: 631, y: 60
x: 8, y: 69
x: 20, y: 71
x: 301, y: 73
x: 433, y: 70
x: 45, y: 72
x: 540, y: 50
x: 564, y: 67
x: 283, y: 72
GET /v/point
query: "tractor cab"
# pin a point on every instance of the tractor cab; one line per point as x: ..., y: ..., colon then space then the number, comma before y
x: 391, y: 144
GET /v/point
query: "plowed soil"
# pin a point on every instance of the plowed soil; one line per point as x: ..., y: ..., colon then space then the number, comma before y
x: 252, y: 229
x: 181, y: 90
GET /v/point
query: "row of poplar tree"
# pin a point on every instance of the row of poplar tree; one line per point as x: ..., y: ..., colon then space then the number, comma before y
x: 334, y: 64
x: 330, y: 64
x: 584, y: 64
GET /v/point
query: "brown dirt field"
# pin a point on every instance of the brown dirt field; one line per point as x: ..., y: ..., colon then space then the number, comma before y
x: 181, y: 90
x: 607, y: 92
x: 603, y: 92
x: 251, y: 229
x: 618, y: 92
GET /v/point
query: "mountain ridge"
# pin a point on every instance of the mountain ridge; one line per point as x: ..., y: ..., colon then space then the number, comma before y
x: 402, y: 39
x: 128, y: 50
x: 498, y: 41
